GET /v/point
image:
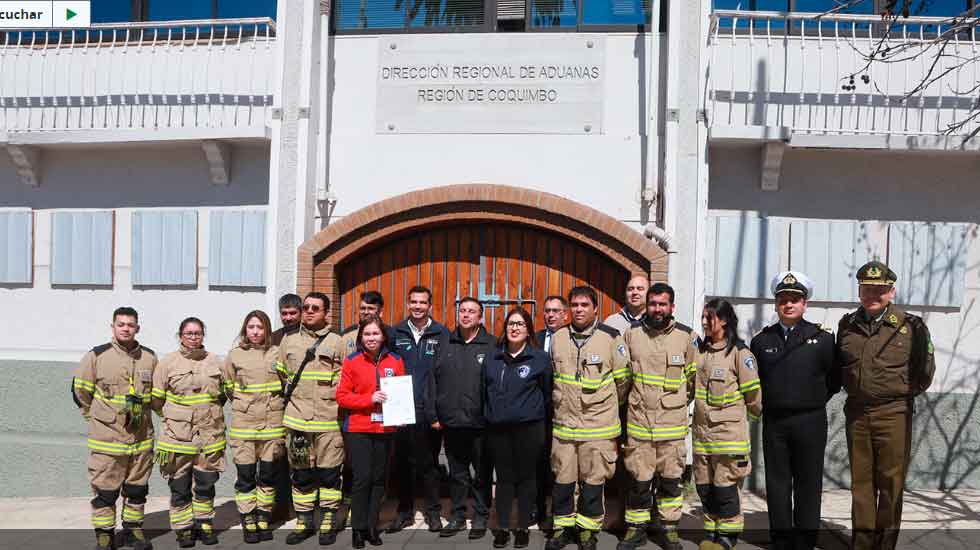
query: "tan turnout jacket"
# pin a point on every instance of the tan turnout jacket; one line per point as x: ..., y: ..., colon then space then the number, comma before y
x: 313, y: 406
x: 255, y: 385
x: 188, y: 388
x: 727, y: 387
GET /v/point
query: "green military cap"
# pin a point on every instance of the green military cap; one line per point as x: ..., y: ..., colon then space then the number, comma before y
x: 876, y: 273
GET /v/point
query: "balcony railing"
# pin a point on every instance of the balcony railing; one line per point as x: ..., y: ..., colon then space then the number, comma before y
x: 792, y: 71
x: 177, y: 74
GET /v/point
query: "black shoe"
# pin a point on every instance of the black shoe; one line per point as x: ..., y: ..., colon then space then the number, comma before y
x: 250, y: 529
x: 500, y: 538
x: 373, y: 538
x: 304, y: 528
x: 636, y: 536
x: 205, y: 533
x: 401, y: 521
x: 434, y: 522
x: 135, y: 537
x: 185, y: 538
x: 669, y: 538
x: 262, y: 521
x: 477, y: 533
x: 521, y: 538
x: 357, y: 538
x: 105, y: 539
x: 561, y: 538
x: 587, y: 540
x: 454, y: 526
x: 327, y: 537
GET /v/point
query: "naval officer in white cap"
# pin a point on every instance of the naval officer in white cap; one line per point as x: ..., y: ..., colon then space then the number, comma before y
x: 796, y: 366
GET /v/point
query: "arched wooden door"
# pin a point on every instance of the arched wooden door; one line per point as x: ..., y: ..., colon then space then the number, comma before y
x: 500, y: 264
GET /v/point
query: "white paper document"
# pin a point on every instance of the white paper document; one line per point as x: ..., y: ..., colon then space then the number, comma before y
x: 399, y: 409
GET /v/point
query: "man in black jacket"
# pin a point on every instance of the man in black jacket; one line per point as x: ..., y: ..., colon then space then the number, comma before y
x: 417, y: 340
x: 796, y: 366
x: 454, y: 404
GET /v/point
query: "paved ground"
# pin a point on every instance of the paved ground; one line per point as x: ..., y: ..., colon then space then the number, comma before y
x: 932, y: 521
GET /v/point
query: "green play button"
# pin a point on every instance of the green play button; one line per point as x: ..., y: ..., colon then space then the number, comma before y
x: 69, y: 14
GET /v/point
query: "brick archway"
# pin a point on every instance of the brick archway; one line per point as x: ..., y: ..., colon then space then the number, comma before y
x: 472, y: 203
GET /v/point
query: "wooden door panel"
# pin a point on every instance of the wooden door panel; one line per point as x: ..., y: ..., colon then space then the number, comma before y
x: 497, y: 264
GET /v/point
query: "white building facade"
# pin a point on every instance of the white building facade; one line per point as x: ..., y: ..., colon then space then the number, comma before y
x: 506, y: 150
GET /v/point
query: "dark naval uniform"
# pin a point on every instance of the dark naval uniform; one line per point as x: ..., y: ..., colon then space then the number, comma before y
x: 796, y: 367
x: 886, y: 362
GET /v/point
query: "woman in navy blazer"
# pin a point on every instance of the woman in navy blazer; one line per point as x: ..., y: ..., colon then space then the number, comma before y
x: 517, y: 381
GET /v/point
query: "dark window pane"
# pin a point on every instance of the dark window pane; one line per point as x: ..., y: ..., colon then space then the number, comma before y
x: 230, y: 9
x: 172, y: 10
x: 369, y: 14
x: 554, y: 13
x: 111, y: 11
x: 445, y: 13
x: 615, y: 12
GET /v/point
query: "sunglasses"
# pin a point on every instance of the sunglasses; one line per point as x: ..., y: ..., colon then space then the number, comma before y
x: 311, y: 307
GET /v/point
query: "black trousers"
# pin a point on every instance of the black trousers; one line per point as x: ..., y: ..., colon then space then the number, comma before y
x: 793, y: 443
x: 466, y: 447
x: 369, y: 461
x: 514, y: 448
x: 546, y: 477
x: 416, y: 456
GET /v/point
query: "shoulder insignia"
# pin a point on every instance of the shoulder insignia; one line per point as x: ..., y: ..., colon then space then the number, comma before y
x: 749, y: 363
x: 683, y: 328
x: 148, y: 350
x: 99, y: 350
x: 611, y: 331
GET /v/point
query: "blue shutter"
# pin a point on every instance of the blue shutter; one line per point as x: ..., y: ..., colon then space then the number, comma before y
x: 930, y: 261
x: 165, y: 248
x: 237, y: 248
x: 81, y: 248
x: 16, y: 246
x: 830, y: 253
x: 746, y: 255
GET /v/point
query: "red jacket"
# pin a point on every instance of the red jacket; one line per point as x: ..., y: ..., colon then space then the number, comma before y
x: 358, y: 381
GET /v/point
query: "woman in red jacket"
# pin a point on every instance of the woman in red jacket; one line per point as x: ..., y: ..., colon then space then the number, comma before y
x: 368, y: 440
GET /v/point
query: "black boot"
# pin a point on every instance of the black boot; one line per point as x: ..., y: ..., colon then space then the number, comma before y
x: 304, y: 528
x: 134, y: 536
x: 250, y: 529
x: 105, y: 539
x: 500, y: 538
x: 670, y: 539
x: 262, y: 522
x: 521, y: 538
x: 185, y: 538
x: 206, y: 534
x: 587, y: 540
x: 373, y: 538
x: 357, y: 538
x: 561, y: 538
x: 328, y: 535
x: 636, y: 536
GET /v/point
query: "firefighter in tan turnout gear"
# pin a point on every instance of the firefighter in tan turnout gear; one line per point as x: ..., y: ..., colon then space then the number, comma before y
x: 254, y: 385
x: 591, y: 378
x: 112, y: 387
x: 727, y: 393
x: 311, y: 359
x: 189, y: 393
x: 663, y: 360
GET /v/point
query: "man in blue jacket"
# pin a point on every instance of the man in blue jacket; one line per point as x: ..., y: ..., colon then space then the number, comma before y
x: 416, y: 340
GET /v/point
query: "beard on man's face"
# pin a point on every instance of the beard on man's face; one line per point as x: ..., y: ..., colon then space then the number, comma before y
x: 659, y: 321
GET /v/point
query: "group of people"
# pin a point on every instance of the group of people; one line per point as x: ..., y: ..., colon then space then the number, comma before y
x: 550, y: 412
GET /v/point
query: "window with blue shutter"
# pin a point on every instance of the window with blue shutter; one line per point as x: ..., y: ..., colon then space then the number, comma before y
x: 81, y: 248
x: 237, y: 251
x: 164, y: 248
x: 16, y: 247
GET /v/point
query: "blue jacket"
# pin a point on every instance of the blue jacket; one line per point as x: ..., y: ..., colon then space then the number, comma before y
x: 518, y: 389
x: 418, y: 358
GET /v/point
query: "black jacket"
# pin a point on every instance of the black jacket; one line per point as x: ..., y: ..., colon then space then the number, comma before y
x: 418, y: 358
x: 454, y: 386
x: 797, y: 373
x: 518, y: 389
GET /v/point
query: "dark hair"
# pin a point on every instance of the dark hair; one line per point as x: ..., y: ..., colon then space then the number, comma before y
x: 319, y: 296
x: 661, y: 288
x: 266, y: 324
x: 125, y: 311
x: 586, y: 291
x: 531, y: 340
x: 419, y: 289
x: 290, y: 300
x: 187, y: 321
x: 561, y: 299
x: 466, y: 299
x: 722, y: 310
x: 372, y: 320
x: 373, y: 297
